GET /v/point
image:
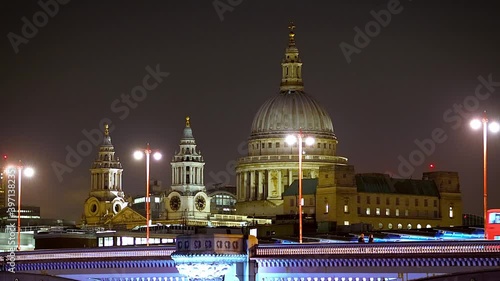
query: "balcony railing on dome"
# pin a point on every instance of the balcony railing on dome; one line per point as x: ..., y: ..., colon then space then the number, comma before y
x: 293, y: 158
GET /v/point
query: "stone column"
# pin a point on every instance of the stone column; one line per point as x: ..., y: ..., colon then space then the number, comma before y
x: 260, y: 193
x: 246, y: 186
x: 252, y: 186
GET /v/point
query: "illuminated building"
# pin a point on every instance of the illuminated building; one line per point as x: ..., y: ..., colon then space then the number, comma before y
x: 271, y: 164
x: 266, y: 179
x: 106, y: 197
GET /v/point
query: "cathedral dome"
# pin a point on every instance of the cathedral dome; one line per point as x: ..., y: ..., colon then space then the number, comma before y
x: 291, y: 111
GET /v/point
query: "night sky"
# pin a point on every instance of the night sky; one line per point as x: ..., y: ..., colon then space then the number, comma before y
x: 410, y: 80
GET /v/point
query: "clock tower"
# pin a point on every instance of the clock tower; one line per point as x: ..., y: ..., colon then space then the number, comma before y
x: 188, y: 199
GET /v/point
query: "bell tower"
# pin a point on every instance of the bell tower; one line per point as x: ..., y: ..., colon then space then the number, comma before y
x: 106, y: 197
x: 188, y: 198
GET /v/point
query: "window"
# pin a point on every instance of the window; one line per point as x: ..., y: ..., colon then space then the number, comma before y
x: 302, y: 201
x: 387, y: 201
x: 359, y: 199
x: 359, y: 210
x: 277, y: 145
x: 311, y: 201
x: 435, y: 214
x: 292, y: 202
x: 435, y: 203
x: 406, y: 213
x: 428, y: 226
x: 367, y: 199
x: 397, y: 212
x: 426, y: 203
x: 389, y: 226
x: 269, y: 145
x: 400, y: 226
x: 451, y: 211
x: 286, y: 144
x: 330, y: 146
x: 416, y: 202
x: 387, y: 212
x: 346, y: 222
x: 397, y: 201
x: 378, y: 200
x: 408, y: 226
x: 368, y: 211
x: 377, y: 211
x: 319, y: 145
x: 346, y: 208
x: 419, y: 226
x: 327, y: 208
x: 380, y: 225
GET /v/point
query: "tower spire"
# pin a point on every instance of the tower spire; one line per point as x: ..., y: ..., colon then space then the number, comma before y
x: 291, y: 66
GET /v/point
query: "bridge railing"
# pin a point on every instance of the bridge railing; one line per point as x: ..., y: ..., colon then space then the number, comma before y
x: 94, y: 253
x: 468, y: 247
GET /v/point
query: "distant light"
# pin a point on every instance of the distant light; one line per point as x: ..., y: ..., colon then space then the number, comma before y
x: 29, y: 172
x: 138, y: 155
x: 157, y: 155
x: 431, y: 166
x: 494, y: 127
x: 475, y: 124
x: 291, y: 139
x: 5, y: 156
x: 309, y: 141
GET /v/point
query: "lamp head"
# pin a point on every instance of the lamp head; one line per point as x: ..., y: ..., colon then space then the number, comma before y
x: 291, y: 139
x: 138, y: 155
x: 476, y: 124
x: 157, y: 155
x: 29, y: 172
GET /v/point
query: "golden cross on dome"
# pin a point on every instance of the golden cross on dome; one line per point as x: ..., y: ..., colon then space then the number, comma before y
x: 106, y: 129
x: 291, y: 26
x: 187, y: 122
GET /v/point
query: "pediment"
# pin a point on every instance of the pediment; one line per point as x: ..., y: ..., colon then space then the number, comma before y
x: 126, y: 215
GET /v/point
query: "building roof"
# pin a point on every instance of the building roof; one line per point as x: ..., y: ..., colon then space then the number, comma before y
x: 382, y: 183
x: 308, y: 187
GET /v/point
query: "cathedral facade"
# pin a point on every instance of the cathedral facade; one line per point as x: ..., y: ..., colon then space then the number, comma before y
x: 333, y: 193
x: 271, y: 164
x: 266, y: 178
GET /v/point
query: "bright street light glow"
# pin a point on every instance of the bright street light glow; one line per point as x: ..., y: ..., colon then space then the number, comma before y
x: 157, y: 155
x: 309, y: 141
x: 29, y: 172
x: 138, y: 155
x: 475, y: 124
x: 494, y: 127
x: 291, y: 139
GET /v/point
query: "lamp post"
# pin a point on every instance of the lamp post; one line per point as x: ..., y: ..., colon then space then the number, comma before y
x: 494, y: 127
x: 291, y: 140
x: 157, y: 156
x: 28, y: 172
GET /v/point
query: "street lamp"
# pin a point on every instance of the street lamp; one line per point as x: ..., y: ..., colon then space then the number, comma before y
x: 28, y: 172
x: 291, y: 140
x: 157, y: 156
x: 494, y: 127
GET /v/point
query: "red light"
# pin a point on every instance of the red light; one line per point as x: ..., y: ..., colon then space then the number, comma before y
x: 431, y: 166
x: 4, y: 156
